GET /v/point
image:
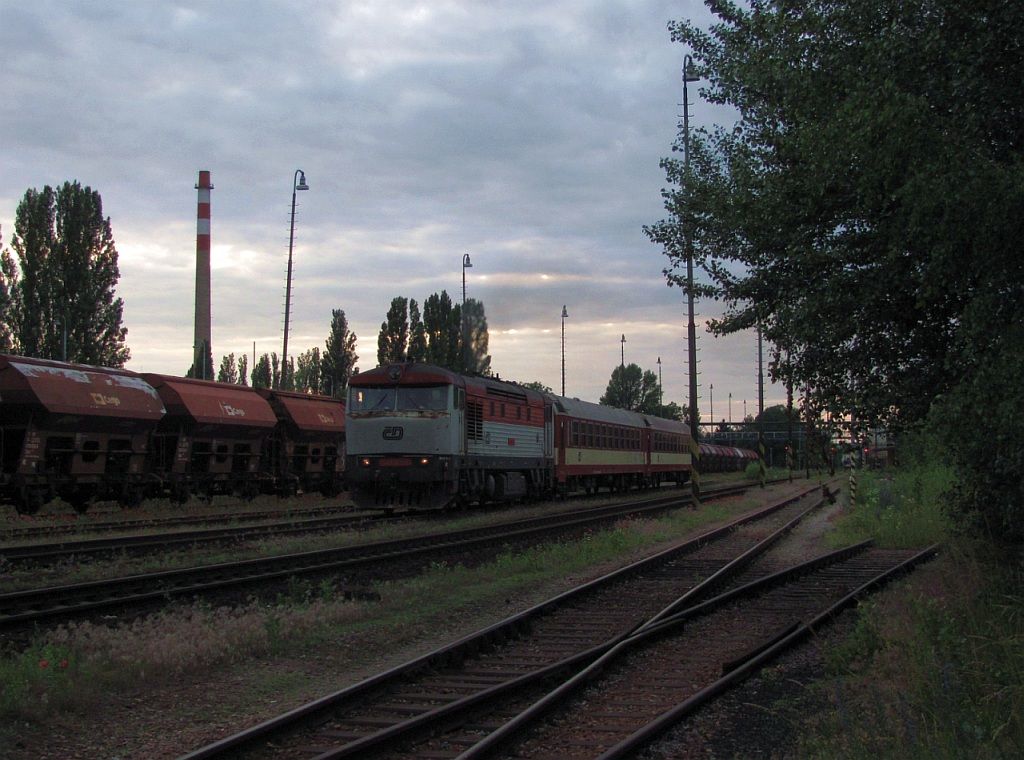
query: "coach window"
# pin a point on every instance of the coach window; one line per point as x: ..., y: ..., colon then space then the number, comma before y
x: 519, y: 412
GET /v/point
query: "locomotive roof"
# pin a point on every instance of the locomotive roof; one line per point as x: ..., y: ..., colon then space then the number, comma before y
x: 416, y: 373
x: 78, y: 389
x: 208, y: 402
x: 407, y: 373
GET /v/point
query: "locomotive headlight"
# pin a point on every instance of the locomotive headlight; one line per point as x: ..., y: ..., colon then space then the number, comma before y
x: 365, y: 462
x: 424, y: 460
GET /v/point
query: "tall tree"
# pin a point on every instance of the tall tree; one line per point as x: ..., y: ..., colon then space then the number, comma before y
x: 228, y: 372
x: 417, y: 334
x: 262, y: 376
x: 339, y: 359
x: 633, y: 389
x: 865, y: 211
x: 275, y: 370
x: 438, y: 338
x: 439, y: 317
x: 68, y: 274
x: 204, y: 372
x: 8, y: 288
x: 243, y: 368
x: 307, y: 371
x: 394, y: 333
x: 537, y: 385
x: 477, y: 360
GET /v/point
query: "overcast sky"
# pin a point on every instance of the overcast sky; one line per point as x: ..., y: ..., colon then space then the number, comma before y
x: 526, y: 134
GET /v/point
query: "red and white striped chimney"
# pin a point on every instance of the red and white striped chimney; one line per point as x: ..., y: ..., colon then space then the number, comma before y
x: 202, y: 342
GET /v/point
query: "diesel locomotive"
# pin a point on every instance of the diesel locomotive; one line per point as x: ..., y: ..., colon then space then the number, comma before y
x: 419, y: 436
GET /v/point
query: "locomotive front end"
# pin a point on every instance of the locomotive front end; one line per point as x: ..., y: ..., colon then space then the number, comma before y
x: 404, y: 433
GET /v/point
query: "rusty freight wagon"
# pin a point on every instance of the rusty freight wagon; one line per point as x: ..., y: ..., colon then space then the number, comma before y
x: 74, y: 431
x: 307, y: 450
x: 212, y: 438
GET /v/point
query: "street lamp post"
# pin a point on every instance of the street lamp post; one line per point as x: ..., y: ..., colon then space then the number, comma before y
x: 661, y: 389
x: 730, y: 407
x: 691, y: 330
x: 298, y: 183
x: 565, y: 314
x: 466, y: 263
x: 622, y: 346
x: 711, y: 403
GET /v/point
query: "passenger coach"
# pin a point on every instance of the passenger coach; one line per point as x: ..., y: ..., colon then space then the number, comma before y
x: 604, y: 447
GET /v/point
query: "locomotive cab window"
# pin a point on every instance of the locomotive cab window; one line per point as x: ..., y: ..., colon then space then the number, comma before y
x: 401, y: 399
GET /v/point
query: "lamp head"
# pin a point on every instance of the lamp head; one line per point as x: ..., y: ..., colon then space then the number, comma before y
x: 565, y: 314
x: 465, y: 260
x: 302, y: 181
x: 688, y: 75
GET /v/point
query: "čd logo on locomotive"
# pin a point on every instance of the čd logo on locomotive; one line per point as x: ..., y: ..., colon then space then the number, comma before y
x: 394, y: 433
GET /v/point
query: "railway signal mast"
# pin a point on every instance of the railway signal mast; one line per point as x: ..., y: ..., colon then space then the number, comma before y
x: 691, y: 330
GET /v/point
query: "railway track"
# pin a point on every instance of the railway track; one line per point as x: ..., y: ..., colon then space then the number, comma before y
x: 157, y: 542
x: 42, y: 530
x: 297, y: 523
x: 425, y: 707
x: 358, y: 564
x: 613, y: 707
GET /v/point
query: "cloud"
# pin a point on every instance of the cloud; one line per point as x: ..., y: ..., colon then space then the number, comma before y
x: 527, y: 134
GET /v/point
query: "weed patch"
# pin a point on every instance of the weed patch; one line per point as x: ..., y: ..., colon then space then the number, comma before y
x: 899, y: 509
x: 940, y: 675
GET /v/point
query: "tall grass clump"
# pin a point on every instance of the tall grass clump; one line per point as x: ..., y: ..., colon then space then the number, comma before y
x: 901, y: 507
x: 940, y: 676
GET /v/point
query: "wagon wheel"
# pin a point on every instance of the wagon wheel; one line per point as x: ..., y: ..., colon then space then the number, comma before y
x: 29, y: 500
x: 79, y: 502
x: 131, y: 497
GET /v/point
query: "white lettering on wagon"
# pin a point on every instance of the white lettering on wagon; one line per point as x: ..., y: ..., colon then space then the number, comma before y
x: 100, y: 400
x: 231, y: 411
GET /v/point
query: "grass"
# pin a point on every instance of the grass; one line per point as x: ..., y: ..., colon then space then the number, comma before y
x: 899, y: 509
x: 933, y: 668
x: 95, y: 660
x: 18, y: 577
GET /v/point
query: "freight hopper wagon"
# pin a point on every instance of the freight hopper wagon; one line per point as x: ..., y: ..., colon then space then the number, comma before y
x: 424, y: 437
x: 307, y: 450
x: 211, y: 439
x: 73, y: 431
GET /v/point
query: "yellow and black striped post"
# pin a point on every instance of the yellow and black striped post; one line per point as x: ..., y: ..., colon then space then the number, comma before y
x: 695, y: 471
x: 760, y: 460
x: 853, y: 484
